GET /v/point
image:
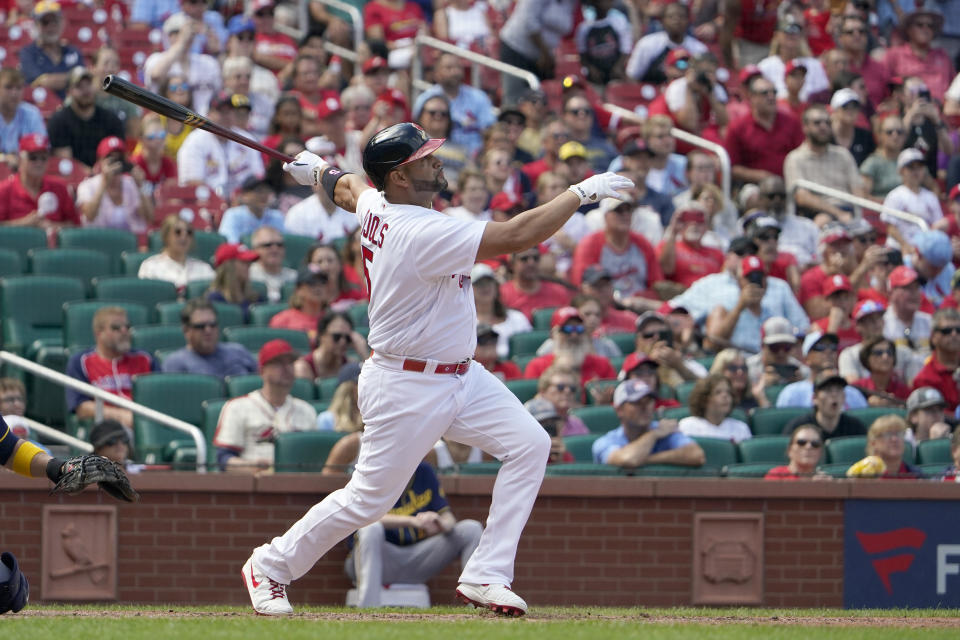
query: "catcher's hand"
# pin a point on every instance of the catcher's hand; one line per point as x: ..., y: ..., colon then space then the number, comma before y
x: 77, y: 473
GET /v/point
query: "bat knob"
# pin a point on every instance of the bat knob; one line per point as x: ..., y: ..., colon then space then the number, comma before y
x: 107, y: 81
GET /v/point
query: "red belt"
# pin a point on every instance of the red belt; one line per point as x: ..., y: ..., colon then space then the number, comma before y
x: 410, y: 364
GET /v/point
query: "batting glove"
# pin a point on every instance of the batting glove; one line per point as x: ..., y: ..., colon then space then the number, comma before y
x: 306, y: 168
x: 596, y: 188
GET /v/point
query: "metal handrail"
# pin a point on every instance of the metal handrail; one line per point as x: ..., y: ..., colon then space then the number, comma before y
x: 55, y: 434
x: 355, y: 16
x: 691, y: 139
x: 860, y: 202
x: 476, y: 59
x: 105, y: 396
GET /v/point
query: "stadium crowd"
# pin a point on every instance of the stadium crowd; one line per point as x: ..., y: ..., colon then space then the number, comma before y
x: 671, y: 328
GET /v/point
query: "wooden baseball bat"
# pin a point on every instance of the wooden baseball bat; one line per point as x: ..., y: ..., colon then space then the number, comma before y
x: 139, y: 96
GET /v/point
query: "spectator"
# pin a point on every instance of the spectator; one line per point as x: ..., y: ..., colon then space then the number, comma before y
x: 174, y: 263
x: 703, y: 169
x: 591, y: 311
x: 820, y: 352
x: 544, y: 413
x: 940, y: 372
x: 918, y: 57
x: 732, y: 365
x: 798, y: 235
x: 696, y: 102
x: 903, y: 322
x: 840, y: 296
x: 486, y: 354
x: 640, y: 440
x: 231, y: 281
x: 434, y: 116
x: 286, y: 121
x: 13, y: 402
x: 527, y: 291
x: 309, y: 303
x: 683, y: 259
x: 828, y: 414
x: 868, y: 315
x: 472, y: 189
x: 879, y: 171
x: 554, y: 134
x: 237, y: 73
x: 202, y: 72
x: 925, y: 128
x: 240, y: 43
x: 109, y: 365
x: 287, y: 191
x: 879, y: 357
x: 464, y: 23
x: 501, y: 176
x: 639, y: 366
x: 204, y: 352
x: 667, y: 169
x: 46, y: 62
x: 951, y: 473
x: 765, y: 232
x: 269, y: 268
x: 413, y: 542
x: 925, y: 413
x: 852, y: 37
x: 655, y: 339
x: 340, y: 290
x: 17, y: 118
x: 572, y: 349
x: 394, y: 22
x: 598, y: 284
x: 776, y: 365
x: 470, y: 109
x: 804, y: 452
x: 604, y: 43
x: 335, y: 335
x: 318, y: 217
x: 106, y: 61
x: 836, y: 63
x: 253, y: 212
x: 77, y: 129
x: 950, y: 224
x: 789, y: 44
x: 222, y: 165
x: 158, y: 168
x: 175, y: 89
x: 307, y: 85
x: 836, y: 258
x: 820, y: 161
x: 846, y: 110
x: 510, y: 125
x: 272, y: 49
x: 491, y: 310
x: 646, y: 60
x: 885, y: 440
x: 249, y: 425
x: 376, y: 75
x: 357, y: 101
x: 30, y: 197
x: 932, y: 263
x: 912, y: 197
x: 211, y: 32
x: 794, y: 77
x: 758, y: 142
x: 110, y: 440
x: 650, y: 209
x: 114, y: 197
x: 711, y: 403
x: 343, y: 416
x: 579, y: 117
x: 529, y: 37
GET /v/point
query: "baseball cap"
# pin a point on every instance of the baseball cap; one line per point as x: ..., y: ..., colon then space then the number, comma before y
x: 481, y: 271
x: 541, y: 409
x: 105, y: 431
x: 503, y: 202
x: 175, y: 23
x: 77, y: 74
x: 34, y: 142
x: 647, y: 317
x: 45, y: 7
x: 309, y: 274
x: 632, y: 361
x: 253, y: 182
x: 631, y: 391
x: 828, y: 379
x: 833, y: 232
x: 901, y: 277
x: 374, y: 64
x: 108, y: 145
x: 742, y: 246
x: 843, y: 97
x: 329, y: 106
x: 691, y: 214
x: 909, y: 156
x: 815, y: 337
x: 750, y: 264
x: 572, y: 149
x: 274, y: 349
x: 748, y: 73
x: 834, y: 283
x: 794, y: 65
x: 924, y: 398
x: 594, y: 274
x: 933, y: 246
x: 240, y: 24
x: 761, y: 223
x: 395, y: 97
x: 563, y: 315
x: 233, y: 251
x: 234, y: 100
x: 511, y: 111
x: 866, y: 307
x: 955, y: 192
x: 777, y: 330
x: 676, y: 55
x: 636, y: 147
x: 610, y: 204
x: 485, y: 330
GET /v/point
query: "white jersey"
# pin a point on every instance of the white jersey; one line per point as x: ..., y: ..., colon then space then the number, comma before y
x: 417, y: 262
x: 248, y: 425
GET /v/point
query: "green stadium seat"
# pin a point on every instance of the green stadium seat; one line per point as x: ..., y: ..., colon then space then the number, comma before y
x: 146, y: 292
x: 933, y: 469
x: 719, y: 452
x: 683, y: 391
x: 846, y: 450
x: 242, y: 385
x: 527, y: 343
x: 211, y: 416
x: 835, y: 470
x: 581, y: 446
x: 78, y: 320
x: 867, y: 415
x: 617, y: 363
x: 748, y: 469
x: 287, y: 290
x: 772, y: 392
x: 151, y: 337
x: 31, y: 308
x: 675, y: 413
x: 541, y: 318
x: 672, y: 471
x: 934, y: 452
x: 770, y: 421
x: 197, y: 288
x: 320, y: 405
x: 179, y: 395
x: 340, y: 243
x: 598, y: 387
x: 255, y: 337
x: 625, y: 340
x: 326, y: 387
x: 765, y: 449
x: 296, y: 249
x: 478, y: 468
x: 131, y: 261
x: 598, y: 418
x: 706, y: 361
x: 358, y: 313
x: 205, y: 243
x: 261, y: 313
x: 11, y: 264
x: 582, y: 469
x: 169, y: 312
x: 112, y: 242
x: 523, y: 361
x: 46, y: 401
x: 22, y: 240
x: 303, y: 451
x: 228, y: 315
x: 84, y: 264
x: 523, y: 388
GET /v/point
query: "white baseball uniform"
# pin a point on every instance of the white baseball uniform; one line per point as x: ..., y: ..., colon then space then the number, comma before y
x: 422, y: 321
x: 248, y: 425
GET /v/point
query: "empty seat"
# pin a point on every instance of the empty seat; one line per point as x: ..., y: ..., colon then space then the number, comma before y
x: 22, y: 240
x: 260, y: 314
x: 771, y: 421
x: 31, y: 308
x: 598, y: 418
x: 867, y: 415
x: 11, y: 264
x: 582, y: 469
x: 934, y: 452
x: 296, y: 247
x: 179, y: 395
x: 130, y: 261
x: 847, y: 449
x: 46, y: 401
x: 197, y: 288
x: 303, y: 451
x: 112, y: 242
x: 766, y: 449
x: 146, y: 292
x: 84, y: 264
x: 255, y: 337
x: 523, y: 388
x: 719, y: 452
x: 152, y: 337
x: 625, y: 340
x: 581, y: 446
x: 541, y: 318
x: 78, y: 319
x: 527, y: 343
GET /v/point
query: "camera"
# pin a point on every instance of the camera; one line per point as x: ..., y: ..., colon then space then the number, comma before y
x: 666, y: 336
x: 755, y: 277
x: 703, y: 79
x: 551, y: 426
x: 786, y: 371
x: 924, y: 94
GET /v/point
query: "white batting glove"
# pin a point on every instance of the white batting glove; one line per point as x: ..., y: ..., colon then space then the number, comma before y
x: 596, y: 188
x: 306, y: 168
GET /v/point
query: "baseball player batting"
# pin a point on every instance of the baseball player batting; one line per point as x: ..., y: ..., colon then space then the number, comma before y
x: 420, y: 383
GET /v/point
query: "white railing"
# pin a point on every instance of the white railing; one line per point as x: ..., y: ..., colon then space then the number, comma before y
x: 860, y: 202
x: 101, y: 396
x: 477, y: 60
x: 689, y: 138
x: 50, y: 433
x: 355, y: 17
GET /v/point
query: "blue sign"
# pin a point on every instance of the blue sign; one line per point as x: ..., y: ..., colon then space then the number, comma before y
x: 900, y: 553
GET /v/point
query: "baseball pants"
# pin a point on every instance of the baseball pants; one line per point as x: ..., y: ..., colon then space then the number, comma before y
x: 405, y: 413
x: 376, y: 562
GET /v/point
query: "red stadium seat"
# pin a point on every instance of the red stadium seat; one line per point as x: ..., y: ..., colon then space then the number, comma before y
x: 15, y: 36
x: 200, y: 197
x: 199, y: 216
x: 630, y: 95
x: 44, y: 99
x: 70, y: 171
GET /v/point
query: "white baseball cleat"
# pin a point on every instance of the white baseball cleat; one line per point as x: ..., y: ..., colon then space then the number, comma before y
x: 496, y: 597
x: 269, y: 597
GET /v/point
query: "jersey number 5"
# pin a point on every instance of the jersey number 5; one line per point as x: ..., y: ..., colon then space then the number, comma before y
x: 367, y: 257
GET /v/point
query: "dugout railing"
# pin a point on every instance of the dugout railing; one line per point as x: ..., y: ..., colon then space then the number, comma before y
x: 857, y: 201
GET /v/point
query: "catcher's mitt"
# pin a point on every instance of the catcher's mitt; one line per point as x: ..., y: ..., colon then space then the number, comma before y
x: 81, y: 471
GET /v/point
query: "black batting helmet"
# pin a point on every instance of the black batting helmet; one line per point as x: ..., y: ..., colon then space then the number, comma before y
x: 14, y: 589
x: 395, y: 146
